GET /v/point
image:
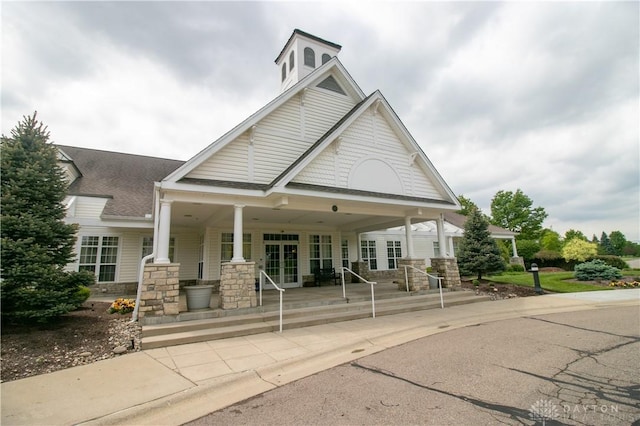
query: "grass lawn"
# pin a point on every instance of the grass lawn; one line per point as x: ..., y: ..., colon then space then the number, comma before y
x: 551, y: 281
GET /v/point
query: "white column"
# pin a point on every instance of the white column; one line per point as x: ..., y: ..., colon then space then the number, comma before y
x: 409, y: 236
x: 164, y: 231
x: 442, y: 242
x: 359, y: 242
x: 237, y: 234
x: 513, y: 245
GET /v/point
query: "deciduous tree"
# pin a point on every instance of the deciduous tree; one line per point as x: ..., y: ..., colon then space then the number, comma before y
x: 579, y: 249
x: 514, y: 211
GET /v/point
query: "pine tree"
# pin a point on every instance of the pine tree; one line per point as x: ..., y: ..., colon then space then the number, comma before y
x: 36, y: 243
x: 478, y: 253
x: 605, y: 247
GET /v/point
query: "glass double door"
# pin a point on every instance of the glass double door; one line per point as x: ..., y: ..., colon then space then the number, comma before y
x: 281, y: 263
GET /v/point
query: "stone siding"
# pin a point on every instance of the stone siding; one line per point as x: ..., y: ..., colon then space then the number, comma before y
x: 417, y: 279
x: 160, y: 291
x: 238, y: 285
x: 447, y: 268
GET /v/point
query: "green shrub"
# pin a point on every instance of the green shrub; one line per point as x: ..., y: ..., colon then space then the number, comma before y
x: 596, y: 270
x: 614, y: 261
x: 515, y: 268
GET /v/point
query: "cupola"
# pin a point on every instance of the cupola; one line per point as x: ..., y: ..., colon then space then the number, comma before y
x: 302, y: 54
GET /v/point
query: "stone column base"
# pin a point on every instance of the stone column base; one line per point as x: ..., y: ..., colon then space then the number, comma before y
x: 238, y: 285
x: 362, y: 269
x: 517, y: 261
x: 160, y: 291
x: 417, y: 280
x: 447, y: 268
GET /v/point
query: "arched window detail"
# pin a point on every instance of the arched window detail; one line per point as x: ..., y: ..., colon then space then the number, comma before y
x: 284, y: 71
x: 291, y: 61
x: 325, y: 58
x: 309, y: 57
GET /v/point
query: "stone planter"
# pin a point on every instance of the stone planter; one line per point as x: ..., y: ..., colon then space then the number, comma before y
x: 198, y: 297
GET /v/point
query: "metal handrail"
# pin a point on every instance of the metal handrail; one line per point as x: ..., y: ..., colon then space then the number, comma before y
x: 406, y: 280
x: 281, y: 290
x: 371, y: 283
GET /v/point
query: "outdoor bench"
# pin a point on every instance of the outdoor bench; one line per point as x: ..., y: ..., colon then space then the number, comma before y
x: 326, y: 274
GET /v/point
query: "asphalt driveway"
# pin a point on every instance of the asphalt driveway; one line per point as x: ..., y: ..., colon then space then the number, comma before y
x: 569, y: 368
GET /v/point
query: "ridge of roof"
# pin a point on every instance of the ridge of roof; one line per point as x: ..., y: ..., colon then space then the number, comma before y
x: 245, y: 124
x: 126, y: 181
x: 322, y: 138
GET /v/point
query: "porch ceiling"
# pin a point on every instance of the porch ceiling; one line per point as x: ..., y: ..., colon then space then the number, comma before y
x: 347, y: 217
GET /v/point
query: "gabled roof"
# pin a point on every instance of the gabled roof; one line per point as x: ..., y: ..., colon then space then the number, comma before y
x: 127, y: 180
x: 320, y: 145
x: 459, y: 220
x: 333, y: 65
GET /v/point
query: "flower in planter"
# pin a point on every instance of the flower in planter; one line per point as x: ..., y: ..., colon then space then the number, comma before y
x: 122, y: 306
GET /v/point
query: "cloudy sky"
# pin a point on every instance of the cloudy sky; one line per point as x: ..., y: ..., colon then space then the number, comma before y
x: 538, y: 96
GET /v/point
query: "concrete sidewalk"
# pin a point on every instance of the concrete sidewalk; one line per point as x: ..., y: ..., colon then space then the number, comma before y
x: 177, y: 384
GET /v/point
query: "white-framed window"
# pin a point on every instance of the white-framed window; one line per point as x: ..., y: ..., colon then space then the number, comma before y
x: 345, y: 253
x: 320, y: 252
x: 368, y: 250
x: 309, y: 57
x: 284, y: 71
x: 436, y: 249
x: 99, y: 255
x: 147, y: 247
x: 226, y: 246
x: 394, y: 252
x: 291, y: 61
x: 325, y: 58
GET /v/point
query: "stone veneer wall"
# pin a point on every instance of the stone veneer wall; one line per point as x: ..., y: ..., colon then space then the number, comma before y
x: 388, y: 275
x: 160, y: 291
x: 447, y: 267
x: 131, y: 288
x: 238, y: 285
x: 362, y: 269
x: 417, y: 280
x: 517, y: 261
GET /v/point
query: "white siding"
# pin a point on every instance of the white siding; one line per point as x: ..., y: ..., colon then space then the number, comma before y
x: 323, y: 109
x: 187, y: 248
x: 361, y: 141
x: 230, y: 163
x: 278, y: 140
x: 89, y: 207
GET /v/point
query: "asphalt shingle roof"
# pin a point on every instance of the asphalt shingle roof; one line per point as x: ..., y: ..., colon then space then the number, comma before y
x: 126, y: 179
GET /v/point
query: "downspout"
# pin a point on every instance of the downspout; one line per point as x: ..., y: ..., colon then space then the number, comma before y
x: 134, y: 315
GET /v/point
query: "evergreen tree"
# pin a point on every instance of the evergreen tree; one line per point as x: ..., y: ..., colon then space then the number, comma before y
x: 478, y: 253
x: 36, y: 243
x: 605, y: 247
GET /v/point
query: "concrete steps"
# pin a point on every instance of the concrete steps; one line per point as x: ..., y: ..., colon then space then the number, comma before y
x: 264, y: 320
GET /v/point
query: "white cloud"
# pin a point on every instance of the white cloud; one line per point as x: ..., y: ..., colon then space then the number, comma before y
x: 537, y: 96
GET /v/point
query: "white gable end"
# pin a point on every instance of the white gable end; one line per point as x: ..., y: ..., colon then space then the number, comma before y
x: 370, y: 156
x: 273, y: 143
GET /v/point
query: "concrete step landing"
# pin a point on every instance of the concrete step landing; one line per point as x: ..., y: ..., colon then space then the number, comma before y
x: 177, y: 333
